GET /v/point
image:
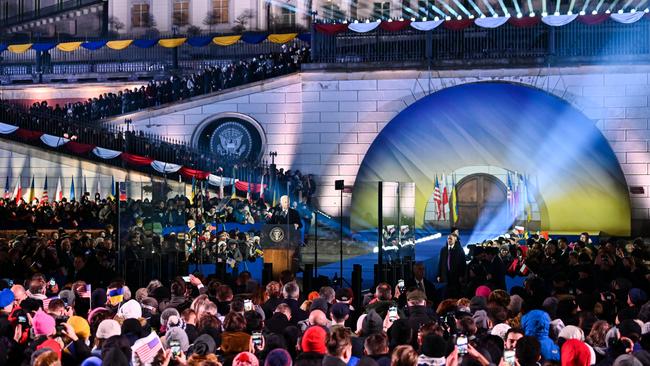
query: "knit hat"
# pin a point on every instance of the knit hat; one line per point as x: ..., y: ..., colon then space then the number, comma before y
x: 575, y: 353
x: 483, y: 291
x: 372, y: 323
x: 340, y: 310
x: 313, y: 340
x: 515, y: 304
x: 177, y: 334
x: 130, y: 310
x: 80, y: 326
x: 6, y: 297
x: 481, y: 319
x: 204, y: 345
x: 572, y: 332
x: 68, y: 297
x: 94, y: 312
x: 167, y: 313
x: 313, y: 296
x: 500, y: 330
x: 108, y: 328
x: 638, y: 296
x: 319, y: 304
x: 245, y: 359
x: 434, y: 346
x: 51, y: 344
x: 43, y: 324
x: 278, y: 357
x: 627, y: 360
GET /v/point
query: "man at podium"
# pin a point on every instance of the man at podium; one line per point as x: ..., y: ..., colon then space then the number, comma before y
x: 285, y: 215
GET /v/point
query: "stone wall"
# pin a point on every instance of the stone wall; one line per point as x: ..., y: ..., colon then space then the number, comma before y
x: 324, y: 122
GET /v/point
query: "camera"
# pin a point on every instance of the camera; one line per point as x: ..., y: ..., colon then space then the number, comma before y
x: 461, y: 344
x: 175, y: 347
x: 257, y: 339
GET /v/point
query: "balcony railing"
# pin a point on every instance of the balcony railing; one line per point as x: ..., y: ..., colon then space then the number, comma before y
x: 504, y: 45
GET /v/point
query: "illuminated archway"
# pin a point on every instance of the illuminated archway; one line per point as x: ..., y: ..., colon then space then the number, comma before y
x: 579, y: 184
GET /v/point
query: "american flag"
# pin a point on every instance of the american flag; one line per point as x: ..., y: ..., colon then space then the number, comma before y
x: 46, y: 302
x: 437, y: 198
x: 147, y: 348
x: 85, y: 292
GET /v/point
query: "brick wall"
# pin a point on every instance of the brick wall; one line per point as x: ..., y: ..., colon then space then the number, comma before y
x: 324, y: 122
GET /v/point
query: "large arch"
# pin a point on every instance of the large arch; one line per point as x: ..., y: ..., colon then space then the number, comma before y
x: 578, y: 182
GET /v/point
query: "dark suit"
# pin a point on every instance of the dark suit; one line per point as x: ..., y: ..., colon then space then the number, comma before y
x: 429, y: 288
x: 451, y: 268
x: 281, y: 217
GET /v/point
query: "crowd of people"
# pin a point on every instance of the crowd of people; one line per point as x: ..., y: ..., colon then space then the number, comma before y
x: 175, y: 88
x: 582, y: 303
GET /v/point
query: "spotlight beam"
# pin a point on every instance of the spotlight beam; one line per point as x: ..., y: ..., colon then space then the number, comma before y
x: 612, y: 6
x: 585, y: 6
x: 517, y: 8
x: 530, y: 6
x: 557, y: 6
x: 600, y: 3
x: 504, y: 8
x: 446, y: 6
x: 571, y: 5
x: 487, y: 3
x: 463, y: 8
x: 544, y: 12
x: 640, y: 4
x: 627, y: 3
x: 476, y: 8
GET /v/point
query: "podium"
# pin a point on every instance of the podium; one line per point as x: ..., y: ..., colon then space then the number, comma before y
x: 281, y: 245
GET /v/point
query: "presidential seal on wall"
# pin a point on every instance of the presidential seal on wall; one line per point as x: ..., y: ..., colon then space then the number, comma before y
x: 235, y: 138
x: 232, y: 140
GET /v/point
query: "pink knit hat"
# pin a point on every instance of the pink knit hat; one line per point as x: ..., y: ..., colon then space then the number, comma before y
x: 43, y: 324
x: 483, y: 291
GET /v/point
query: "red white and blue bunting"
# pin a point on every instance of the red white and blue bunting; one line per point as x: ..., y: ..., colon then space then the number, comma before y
x: 520, y: 20
x: 108, y: 154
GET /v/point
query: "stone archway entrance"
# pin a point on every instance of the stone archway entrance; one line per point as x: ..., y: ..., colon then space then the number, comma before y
x: 480, y: 195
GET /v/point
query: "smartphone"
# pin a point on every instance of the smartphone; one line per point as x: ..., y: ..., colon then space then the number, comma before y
x: 52, y: 282
x: 392, y: 313
x: 461, y: 344
x: 248, y: 305
x: 186, y: 278
x: 175, y: 347
x: 509, y: 357
x: 400, y: 285
x: 22, y: 320
x: 257, y: 339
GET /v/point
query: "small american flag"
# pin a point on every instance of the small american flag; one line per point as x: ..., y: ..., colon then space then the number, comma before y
x: 46, y: 302
x: 85, y: 292
x: 147, y: 348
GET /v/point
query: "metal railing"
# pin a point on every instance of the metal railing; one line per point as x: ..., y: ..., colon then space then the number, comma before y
x: 132, y: 59
x: 507, y: 44
x: 111, y: 137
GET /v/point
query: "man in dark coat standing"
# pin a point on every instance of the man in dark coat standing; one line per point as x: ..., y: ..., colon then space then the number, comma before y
x: 451, y: 266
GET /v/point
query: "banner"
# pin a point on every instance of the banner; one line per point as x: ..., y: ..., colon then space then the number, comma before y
x: 106, y: 153
x: 53, y: 141
x: 426, y: 26
x: 68, y: 46
x: 282, y: 38
x: 216, y: 180
x: 6, y: 129
x: 226, y: 40
x: 559, y: 20
x: 165, y: 168
x: 363, y: 27
x: 491, y: 22
x: 172, y: 42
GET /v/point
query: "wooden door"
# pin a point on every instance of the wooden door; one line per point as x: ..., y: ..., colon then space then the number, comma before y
x: 480, y: 194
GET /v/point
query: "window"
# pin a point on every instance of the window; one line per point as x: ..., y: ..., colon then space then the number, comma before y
x: 181, y: 14
x: 140, y: 15
x: 220, y: 11
x: 381, y: 10
x: 287, y: 17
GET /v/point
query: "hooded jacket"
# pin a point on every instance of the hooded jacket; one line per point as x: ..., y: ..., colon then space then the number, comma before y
x: 536, y: 323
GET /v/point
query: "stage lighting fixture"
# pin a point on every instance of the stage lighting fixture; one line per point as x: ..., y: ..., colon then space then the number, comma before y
x: 633, y: 11
x: 482, y: 16
x: 424, y: 19
x: 582, y: 12
x: 557, y: 13
x: 471, y: 16
x: 459, y: 17
x: 495, y: 15
x: 569, y: 12
x: 620, y: 11
x: 544, y: 14
x: 532, y: 14
x: 594, y: 12
x: 448, y: 18
x: 519, y: 15
x: 647, y: 10
x: 607, y: 11
x: 413, y: 19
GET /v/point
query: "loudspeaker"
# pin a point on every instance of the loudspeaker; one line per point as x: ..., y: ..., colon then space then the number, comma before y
x: 339, y: 185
